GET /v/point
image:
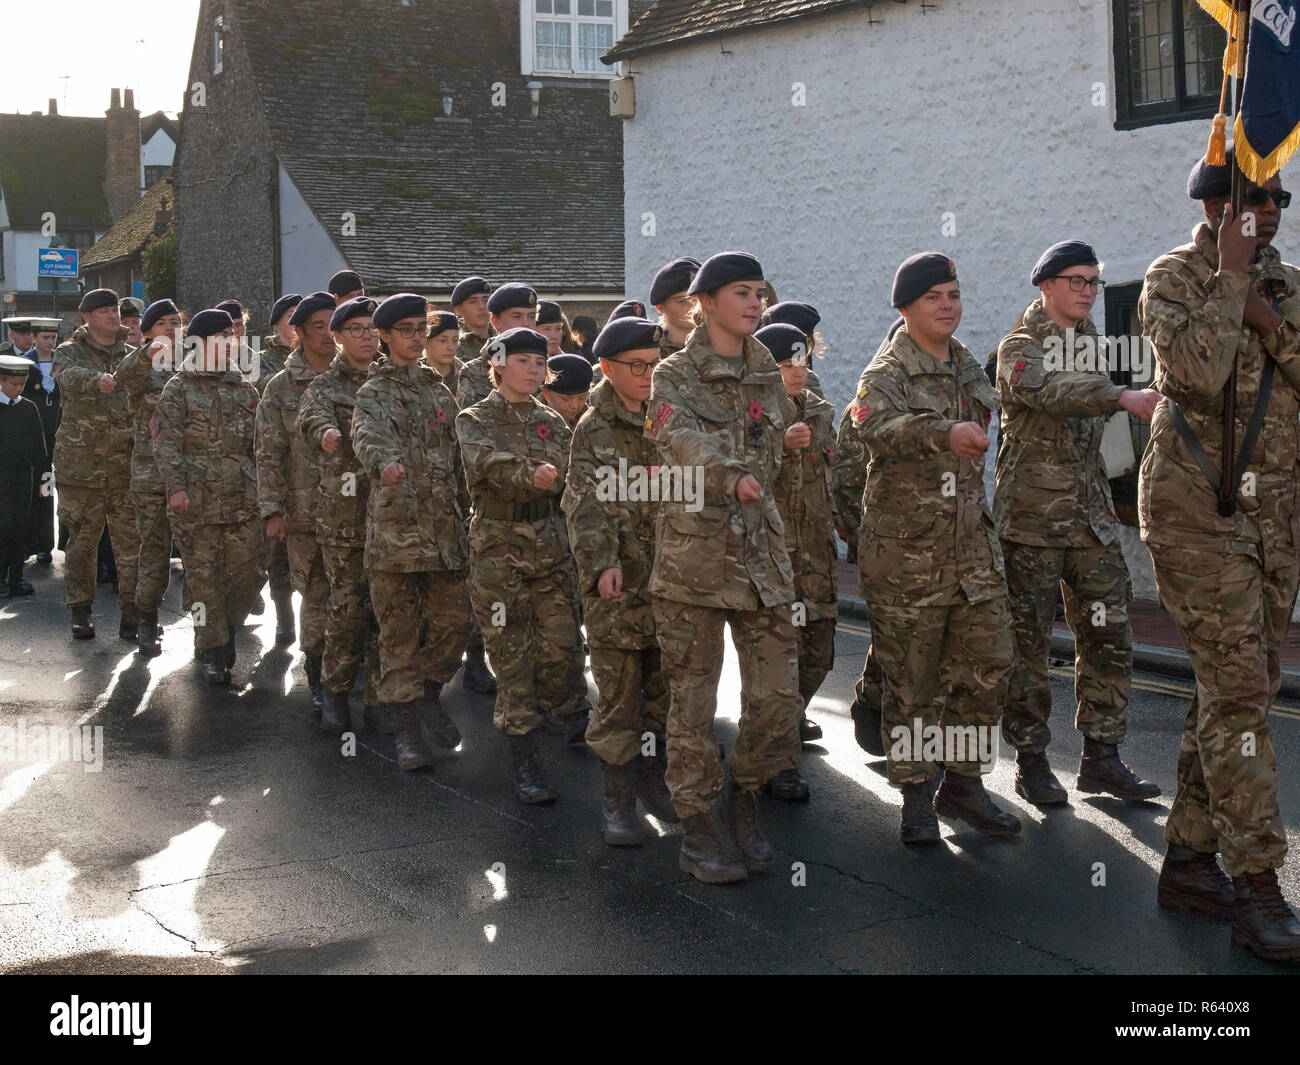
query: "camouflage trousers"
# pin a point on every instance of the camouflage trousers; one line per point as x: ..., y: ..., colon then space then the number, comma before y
x: 223, y: 571
x: 869, y: 691
x: 816, y: 655
x: 154, y: 527
x: 83, y: 512
x: 691, y: 642
x: 307, y: 574
x: 277, y: 569
x: 532, y: 639
x: 423, y: 625
x: 1095, y: 584
x: 964, y: 648
x: 351, y: 631
x: 633, y: 701
x: 1232, y: 615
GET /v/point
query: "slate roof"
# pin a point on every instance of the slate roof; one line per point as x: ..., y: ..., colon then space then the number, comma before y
x: 669, y: 22
x: 54, y: 163
x: 150, y: 124
x: 127, y: 236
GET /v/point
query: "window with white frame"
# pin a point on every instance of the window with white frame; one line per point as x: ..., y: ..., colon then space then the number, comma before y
x: 218, y: 44
x: 568, y: 37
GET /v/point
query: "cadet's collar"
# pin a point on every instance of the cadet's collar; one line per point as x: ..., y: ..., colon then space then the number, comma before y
x: 759, y: 367
x: 341, y: 365
x: 606, y: 400
x: 1041, y: 325
x: 915, y: 360
x: 82, y: 335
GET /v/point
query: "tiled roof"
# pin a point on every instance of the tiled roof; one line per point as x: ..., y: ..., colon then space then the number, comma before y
x: 54, y: 163
x: 129, y: 234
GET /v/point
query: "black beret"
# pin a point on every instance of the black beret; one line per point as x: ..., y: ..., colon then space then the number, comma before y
x: 625, y: 334
x: 97, y: 298
x: 1206, y: 182
x: 283, y: 305
x: 627, y: 309
x: 343, y: 282
x: 356, y: 307
x: 548, y: 312
x: 471, y: 286
x: 803, y: 316
x: 1060, y: 257
x: 672, y: 278
x: 510, y: 296
x: 725, y: 268
x: 402, y: 305
x: 209, y: 323
x: 780, y: 339
x: 572, y: 374
x: 920, y: 273
x: 442, y: 321
x: 898, y: 324
x: 518, y: 341
x: 309, y: 305
x: 155, y: 311
x: 232, y: 307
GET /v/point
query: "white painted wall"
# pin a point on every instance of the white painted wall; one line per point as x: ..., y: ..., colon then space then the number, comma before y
x: 158, y: 150
x: 308, y: 256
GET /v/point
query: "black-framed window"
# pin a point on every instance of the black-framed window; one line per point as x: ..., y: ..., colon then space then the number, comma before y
x: 1168, y: 62
x: 154, y: 174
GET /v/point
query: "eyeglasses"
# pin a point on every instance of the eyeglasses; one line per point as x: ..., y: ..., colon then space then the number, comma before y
x: 1257, y: 196
x: 410, y: 332
x: 356, y: 332
x: 637, y: 366
x: 1078, y: 283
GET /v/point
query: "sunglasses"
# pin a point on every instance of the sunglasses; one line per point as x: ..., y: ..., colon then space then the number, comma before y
x: 1257, y: 196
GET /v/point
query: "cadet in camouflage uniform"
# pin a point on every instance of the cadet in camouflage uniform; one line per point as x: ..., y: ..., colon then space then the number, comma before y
x: 522, y: 580
x: 718, y: 412
x: 440, y: 348
x: 1055, y: 520
x: 92, y: 462
x: 203, y: 430
x: 288, y: 478
x: 508, y: 307
x: 1228, y: 581
x: 404, y: 437
x: 613, y: 541
x: 805, y: 318
x: 568, y: 386
x: 325, y: 419
x: 928, y: 557
x: 675, y: 305
x: 142, y: 374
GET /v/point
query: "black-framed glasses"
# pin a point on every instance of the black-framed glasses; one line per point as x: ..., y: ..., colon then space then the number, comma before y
x: 356, y: 332
x: 1257, y: 196
x: 637, y: 366
x: 410, y: 332
x: 1078, y: 282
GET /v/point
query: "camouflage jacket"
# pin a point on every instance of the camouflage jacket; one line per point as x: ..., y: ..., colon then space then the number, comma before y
x: 927, y: 536
x: 610, y: 518
x: 268, y: 362
x: 849, y: 475
x: 142, y: 377
x: 287, y: 473
x: 452, y: 378
x: 203, y: 437
x: 93, y: 445
x: 474, y: 378
x: 502, y: 444
x: 343, y: 489
x: 1051, y: 488
x: 714, y: 428
x: 1192, y: 312
x: 803, y: 495
x: 405, y: 414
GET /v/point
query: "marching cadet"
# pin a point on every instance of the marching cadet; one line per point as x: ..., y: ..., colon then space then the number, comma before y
x: 237, y: 315
x: 1056, y: 522
x: 716, y: 414
x: 129, y: 311
x: 42, y: 391
x: 288, y: 478
x: 510, y: 306
x: 928, y: 555
x: 440, y: 347
x: 279, y: 344
x: 143, y: 374
x: 203, y: 438
x: 613, y: 544
x: 1228, y: 576
x: 92, y: 455
x: 325, y: 419
x: 22, y: 445
x: 803, y: 495
x: 552, y: 325
x: 676, y: 308
x: 627, y: 309
x: 345, y: 285
x: 415, y: 555
x: 522, y: 581
x: 568, y: 383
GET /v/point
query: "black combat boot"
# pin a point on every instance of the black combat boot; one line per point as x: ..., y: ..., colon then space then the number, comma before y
x: 530, y: 785
x: 17, y: 586
x: 285, y: 633
x: 651, y: 786
x: 1100, y: 770
x: 809, y: 731
x: 380, y: 719
x: 575, y: 726
x: 82, y: 627
x: 412, y: 752
x: 129, y: 627
x: 336, y: 711
x: 619, y: 824
x: 919, y: 823
x: 312, y: 667
x: 1192, y: 882
x: 965, y: 799
x: 439, y: 729
x: 706, y: 852
x: 1262, y: 922
x: 788, y: 786
x: 477, y: 678
x: 1035, y: 782
x: 738, y: 812
x: 866, y: 728
x: 214, y: 665
x: 148, y: 638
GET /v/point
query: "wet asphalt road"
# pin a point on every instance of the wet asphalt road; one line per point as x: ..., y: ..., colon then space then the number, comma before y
x: 225, y: 833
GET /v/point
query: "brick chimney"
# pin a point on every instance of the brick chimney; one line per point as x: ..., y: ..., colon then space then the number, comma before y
x: 54, y: 106
x: 122, y: 172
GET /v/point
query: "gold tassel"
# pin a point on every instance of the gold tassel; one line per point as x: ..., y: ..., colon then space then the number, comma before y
x: 1216, y: 152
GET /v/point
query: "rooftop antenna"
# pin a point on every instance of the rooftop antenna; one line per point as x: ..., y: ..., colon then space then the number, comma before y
x: 64, y: 78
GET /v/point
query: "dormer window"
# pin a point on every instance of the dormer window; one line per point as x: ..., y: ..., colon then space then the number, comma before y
x: 568, y: 37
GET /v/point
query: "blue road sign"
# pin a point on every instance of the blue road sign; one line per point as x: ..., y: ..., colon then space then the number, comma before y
x: 56, y: 262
